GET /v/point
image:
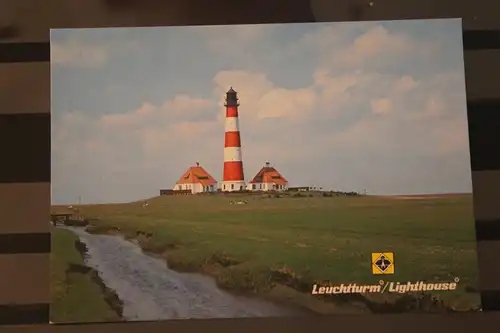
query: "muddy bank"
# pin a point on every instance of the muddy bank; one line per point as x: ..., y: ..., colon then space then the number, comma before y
x: 150, y: 290
x: 109, y: 295
x: 281, y: 284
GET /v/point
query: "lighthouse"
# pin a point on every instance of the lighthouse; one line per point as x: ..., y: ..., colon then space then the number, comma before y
x: 233, y: 178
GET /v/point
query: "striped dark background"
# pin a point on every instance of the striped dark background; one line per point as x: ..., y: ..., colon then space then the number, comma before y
x: 25, y: 145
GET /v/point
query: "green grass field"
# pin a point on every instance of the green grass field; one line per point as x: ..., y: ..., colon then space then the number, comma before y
x: 278, y: 247
x: 75, y: 292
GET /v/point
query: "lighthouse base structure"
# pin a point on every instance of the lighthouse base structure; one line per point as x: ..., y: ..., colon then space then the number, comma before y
x: 232, y: 186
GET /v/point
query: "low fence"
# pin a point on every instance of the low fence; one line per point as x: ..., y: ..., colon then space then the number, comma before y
x: 174, y: 192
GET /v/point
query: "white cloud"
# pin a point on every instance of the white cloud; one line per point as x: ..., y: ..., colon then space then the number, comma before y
x: 140, y: 145
x: 377, y: 45
x: 250, y: 85
x: 381, y: 106
x: 343, y: 109
x: 272, y: 118
x: 378, y: 40
x: 81, y: 51
x: 451, y: 136
x: 262, y: 98
x: 280, y: 103
x: 322, y: 39
x: 74, y: 53
x: 405, y: 84
x: 233, y: 38
x: 245, y: 32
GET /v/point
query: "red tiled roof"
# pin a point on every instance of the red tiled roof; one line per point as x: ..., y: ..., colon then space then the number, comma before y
x: 269, y: 175
x: 197, y: 175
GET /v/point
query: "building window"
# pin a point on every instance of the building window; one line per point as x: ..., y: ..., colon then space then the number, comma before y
x: 241, y: 187
x: 232, y: 186
x: 224, y: 186
x: 253, y: 186
x: 260, y: 186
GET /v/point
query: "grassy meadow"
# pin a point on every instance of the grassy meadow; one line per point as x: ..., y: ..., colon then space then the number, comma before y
x: 277, y: 247
x: 76, y: 292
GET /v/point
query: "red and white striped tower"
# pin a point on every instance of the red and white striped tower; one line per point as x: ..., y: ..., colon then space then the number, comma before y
x: 233, y: 178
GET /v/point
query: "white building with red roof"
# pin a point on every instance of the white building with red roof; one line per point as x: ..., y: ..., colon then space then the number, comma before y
x: 268, y: 179
x: 197, y: 180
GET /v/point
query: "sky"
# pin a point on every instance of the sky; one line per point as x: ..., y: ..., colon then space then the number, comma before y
x: 361, y: 106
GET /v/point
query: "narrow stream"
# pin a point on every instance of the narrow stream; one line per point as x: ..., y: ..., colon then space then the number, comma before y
x: 152, y: 291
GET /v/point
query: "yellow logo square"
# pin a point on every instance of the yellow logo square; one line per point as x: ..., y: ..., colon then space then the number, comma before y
x: 383, y: 263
